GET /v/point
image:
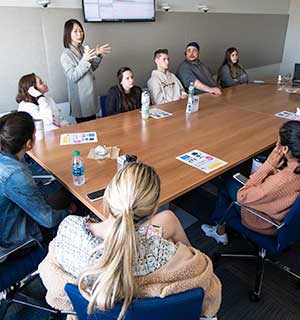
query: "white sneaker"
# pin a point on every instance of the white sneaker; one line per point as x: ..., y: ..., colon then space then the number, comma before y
x: 211, y: 231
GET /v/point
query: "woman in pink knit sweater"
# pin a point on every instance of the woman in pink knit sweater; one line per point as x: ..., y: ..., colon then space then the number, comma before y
x: 271, y: 190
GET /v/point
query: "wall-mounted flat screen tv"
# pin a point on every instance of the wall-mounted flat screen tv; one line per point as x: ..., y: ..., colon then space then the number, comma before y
x: 118, y: 10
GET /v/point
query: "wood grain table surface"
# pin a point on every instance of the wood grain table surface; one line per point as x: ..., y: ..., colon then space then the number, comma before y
x: 233, y: 127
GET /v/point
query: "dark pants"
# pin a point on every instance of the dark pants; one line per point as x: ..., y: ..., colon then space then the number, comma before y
x: 80, y: 120
x: 226, y: 195
x: 54, y: 193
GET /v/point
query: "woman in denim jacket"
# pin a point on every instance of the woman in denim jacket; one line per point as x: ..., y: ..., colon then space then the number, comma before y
x: 25, y: 212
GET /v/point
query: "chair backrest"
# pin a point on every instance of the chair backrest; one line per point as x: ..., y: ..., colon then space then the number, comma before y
x: 64, y: 107
x: 290, y: 232
x: 185, y: 305
x: 19, y: 261
x: 296, y: 76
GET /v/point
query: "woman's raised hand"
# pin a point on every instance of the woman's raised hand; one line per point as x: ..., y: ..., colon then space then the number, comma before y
x: 89, y: 54
x: 275, y: 158
x: 103, y: 50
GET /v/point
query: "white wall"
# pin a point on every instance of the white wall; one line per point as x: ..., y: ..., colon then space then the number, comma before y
x: 229, y: 6
x: 38, y: 34
x: 264, y: 73
x: 291, y: 54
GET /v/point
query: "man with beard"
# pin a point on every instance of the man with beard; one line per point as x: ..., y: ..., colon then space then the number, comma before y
x: 195, y: 71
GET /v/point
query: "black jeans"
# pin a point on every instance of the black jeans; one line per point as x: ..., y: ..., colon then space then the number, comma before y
x: 225, y: 197
x: 80, y: 120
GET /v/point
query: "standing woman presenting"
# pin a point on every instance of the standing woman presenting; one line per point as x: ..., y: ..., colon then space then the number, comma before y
x: 79, y: 63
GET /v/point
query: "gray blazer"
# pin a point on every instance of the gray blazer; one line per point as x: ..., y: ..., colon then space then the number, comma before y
x: 80, y: 82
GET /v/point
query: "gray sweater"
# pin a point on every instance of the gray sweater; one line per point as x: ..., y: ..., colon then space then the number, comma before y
x: 226, y: 80
x: 192, y: 71
x: 80, y: 82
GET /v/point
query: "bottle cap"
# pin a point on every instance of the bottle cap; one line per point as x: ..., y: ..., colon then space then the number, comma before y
x: 76, y: 153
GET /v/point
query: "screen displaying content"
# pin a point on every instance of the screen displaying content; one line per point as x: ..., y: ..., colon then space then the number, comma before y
x: 118, y: 10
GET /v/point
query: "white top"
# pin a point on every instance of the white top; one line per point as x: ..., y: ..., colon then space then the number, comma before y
x: 45, y: 110
x: 76, y: 248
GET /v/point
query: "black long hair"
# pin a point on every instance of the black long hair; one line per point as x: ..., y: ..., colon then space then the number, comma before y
x: 16, y: 129
x: 129, y: 100
x: 68, y: 30
x: 289, y: 135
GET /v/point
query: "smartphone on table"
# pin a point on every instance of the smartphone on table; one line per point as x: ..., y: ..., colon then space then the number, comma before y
x: 96, y: 195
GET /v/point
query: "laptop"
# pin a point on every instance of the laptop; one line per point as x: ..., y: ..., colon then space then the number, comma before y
x: 296, y: 77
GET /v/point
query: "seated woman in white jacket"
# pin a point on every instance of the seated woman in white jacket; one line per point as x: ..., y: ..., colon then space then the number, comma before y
x: 31, y: 99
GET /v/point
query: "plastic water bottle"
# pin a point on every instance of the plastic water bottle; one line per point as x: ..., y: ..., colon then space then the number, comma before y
x: 77, y: 169
x: 279, y: 79
x: 39, y: 129
x: 190, y: 102
x: 145, y: 105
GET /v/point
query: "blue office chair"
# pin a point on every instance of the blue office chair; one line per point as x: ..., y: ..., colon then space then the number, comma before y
x: 18, y: 265
x: 185, y: 305
x: 288, y: 232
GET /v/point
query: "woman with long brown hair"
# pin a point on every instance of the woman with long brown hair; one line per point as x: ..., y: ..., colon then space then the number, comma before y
x: 33, y: 98
x: 231, y: 73
x: 125, y: 96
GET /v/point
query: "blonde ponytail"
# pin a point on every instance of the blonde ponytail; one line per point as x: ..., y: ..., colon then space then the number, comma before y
x: 132, y: 194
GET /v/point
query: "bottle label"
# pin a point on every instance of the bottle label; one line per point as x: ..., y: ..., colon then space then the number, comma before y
x: 77, y: 171
x: 145, y: 111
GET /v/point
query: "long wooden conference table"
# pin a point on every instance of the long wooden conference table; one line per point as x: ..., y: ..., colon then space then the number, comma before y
x: 233, y: 127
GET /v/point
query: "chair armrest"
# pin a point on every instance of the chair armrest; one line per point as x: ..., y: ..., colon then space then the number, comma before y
x: 48, y: 179
x: 262, y: 216
x: 5, y: 252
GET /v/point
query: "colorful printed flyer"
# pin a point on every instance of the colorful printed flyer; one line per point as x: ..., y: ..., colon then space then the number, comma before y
x: 157, y: 113
x: 202, y: 161
x: 293, y: 90
x: 78, y: 138
x: 288, y: 115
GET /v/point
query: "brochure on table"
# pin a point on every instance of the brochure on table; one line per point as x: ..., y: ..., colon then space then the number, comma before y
x: 288, y: 115
x: 157, y: 113
x: 201, y: 161
x: 78, y: 138
x: 289, y: 89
